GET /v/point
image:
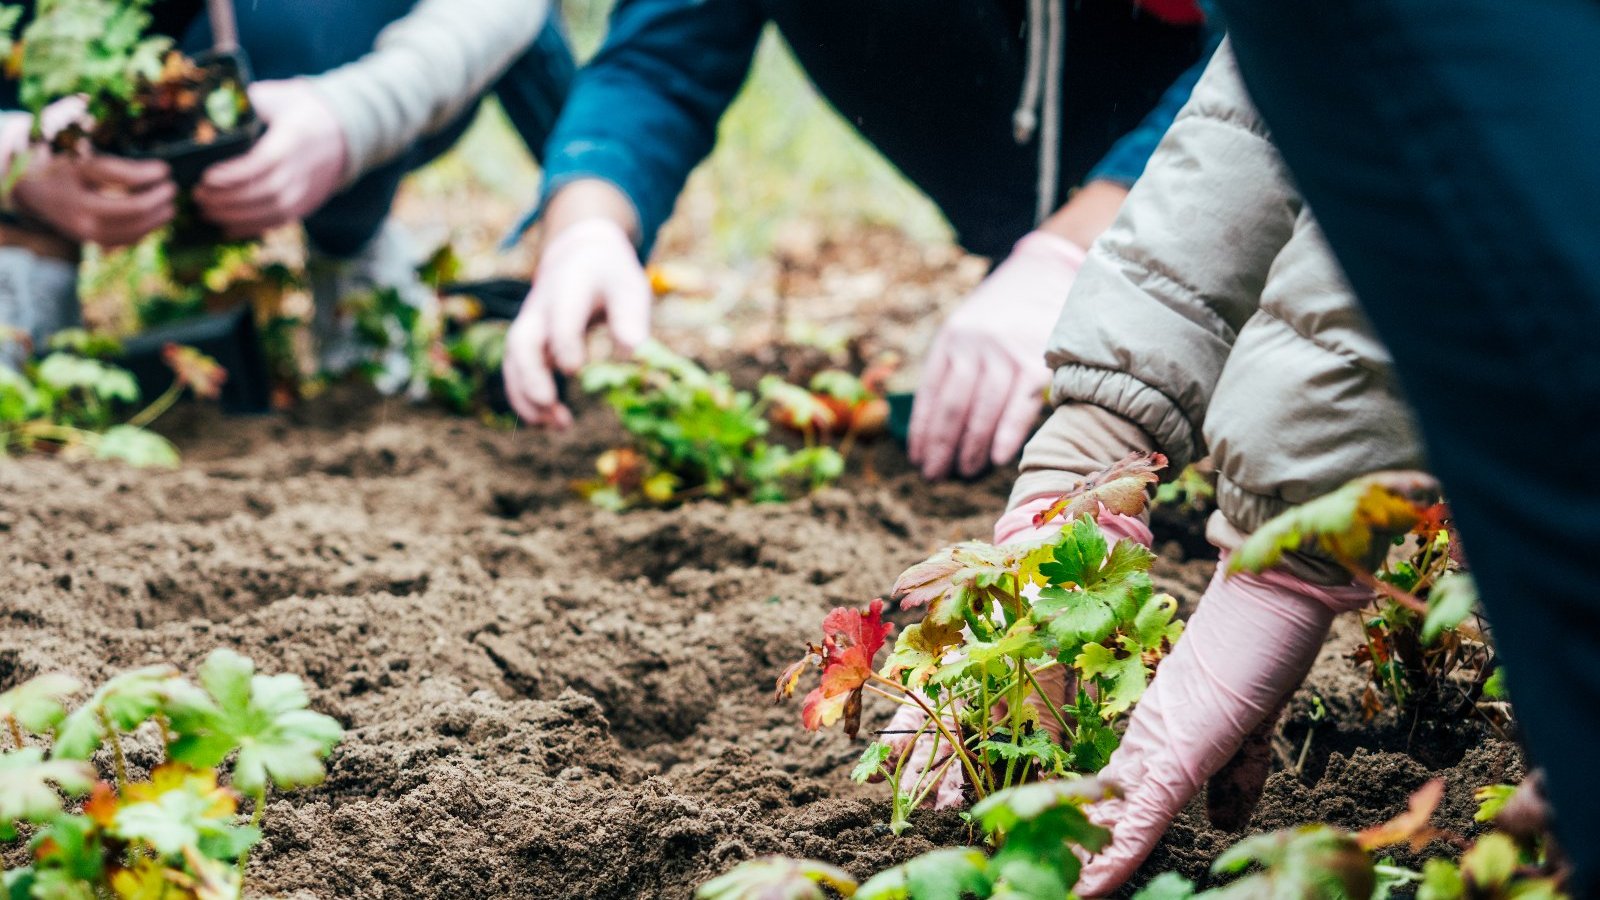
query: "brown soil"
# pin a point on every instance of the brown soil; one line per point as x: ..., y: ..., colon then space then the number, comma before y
x: 542, y: 699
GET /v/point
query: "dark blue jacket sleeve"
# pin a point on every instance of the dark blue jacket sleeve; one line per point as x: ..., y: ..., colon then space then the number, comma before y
x: 643, y: 113
x: 1126, y: 160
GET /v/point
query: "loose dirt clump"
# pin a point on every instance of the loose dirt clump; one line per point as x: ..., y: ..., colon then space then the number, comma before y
x: 544, y: 699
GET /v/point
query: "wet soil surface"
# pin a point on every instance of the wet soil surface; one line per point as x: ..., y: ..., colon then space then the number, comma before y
x: 545, y: 700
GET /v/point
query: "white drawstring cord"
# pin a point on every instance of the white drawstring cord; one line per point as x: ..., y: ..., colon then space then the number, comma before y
x: 1042, y: 81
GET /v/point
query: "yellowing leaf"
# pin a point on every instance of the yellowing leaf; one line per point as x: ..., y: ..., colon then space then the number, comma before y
x: 1121, y: 488
x: 1342, y: 524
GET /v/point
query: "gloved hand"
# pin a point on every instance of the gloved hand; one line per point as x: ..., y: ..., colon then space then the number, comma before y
x: 983, y: 384
x: 295, y: 167
x: 1246, y: 648
x: 86, y: 196
x: 588, y: 270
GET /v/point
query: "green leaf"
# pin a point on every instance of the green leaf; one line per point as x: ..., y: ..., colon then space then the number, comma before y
x: 181, y: 808
x: 1494, y: 688
x: 1450, y: 602
x: 1441, y: 880
x: 948, y: 874
x: 872, y: 762
x: 778, y: 878
x: 1093, y: 591
x: 224, y: 105
x: 1056, y: 803
x: 918, y: 652
x: 264, y: 716
x: 82, y: 342
x: 69, y: 853
x: 1310, y: 862
x: 1490, y: 863
x: 28, y: 787
x: 1122, y: 680
x: 126, y: 701
x: 1167, y: 885
x: 136, y: 447
x: 36, y: 704
x: 64, y: 371
x: 1491, y: 799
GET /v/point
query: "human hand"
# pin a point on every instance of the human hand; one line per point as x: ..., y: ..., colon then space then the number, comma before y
x: 983, y: 383
x: 83, y: 195
x: 588, y: 270
x: 1247, y: 647
x: 289, y: 174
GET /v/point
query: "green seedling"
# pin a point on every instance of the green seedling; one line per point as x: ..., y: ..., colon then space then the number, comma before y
x: 67, y: 403
x: 1025, y: 659
x: 693, y: 435
x: 179, y: 834
x: 1037, y: 829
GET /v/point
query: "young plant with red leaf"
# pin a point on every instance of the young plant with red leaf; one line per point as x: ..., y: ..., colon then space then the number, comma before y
x: 1424, y: 642
x: 179, y: 833
x: 1025, y: 658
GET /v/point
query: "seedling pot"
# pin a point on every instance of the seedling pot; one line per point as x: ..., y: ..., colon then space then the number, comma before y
x: 190, y: 158
x: 228, y: 337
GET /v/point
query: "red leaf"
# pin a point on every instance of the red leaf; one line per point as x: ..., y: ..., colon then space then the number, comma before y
x: 1410, y: 827
x: 1433, y: 519
x: 851, y: 638
x: 195, y: 370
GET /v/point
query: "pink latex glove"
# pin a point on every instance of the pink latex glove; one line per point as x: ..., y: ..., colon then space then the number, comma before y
x: 983, y: 383
x: 1248, y: 645
x: 590, y: 269
x: 295, y: 167
x: 86, y: 196
x: 1016, y: 526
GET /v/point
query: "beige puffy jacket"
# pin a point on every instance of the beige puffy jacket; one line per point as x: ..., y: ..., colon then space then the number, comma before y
x: 1212, y: 320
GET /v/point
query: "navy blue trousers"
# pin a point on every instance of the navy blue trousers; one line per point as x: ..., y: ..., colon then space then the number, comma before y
x: 1448, y: 148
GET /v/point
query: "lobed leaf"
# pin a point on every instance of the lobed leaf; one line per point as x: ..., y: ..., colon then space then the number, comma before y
x: 36, y: 704
x: 1343, y: 524
x: 1122, y: 488
x: 124, y: 703
x: 181, y: 808
x: 778, y: 878
x: 265, y: 716
x: 1450, y: 603
x: 136, y: 447
x: 28, y: 785
x: 949, y: 874
x: 195, y: 370
x: 1314, y: 861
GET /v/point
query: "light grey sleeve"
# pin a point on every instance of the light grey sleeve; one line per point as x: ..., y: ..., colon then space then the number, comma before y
x: 425, y: 70
x: 1154, y: 313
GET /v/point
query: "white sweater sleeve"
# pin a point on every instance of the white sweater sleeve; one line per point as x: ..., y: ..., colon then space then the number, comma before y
x: 425, y: 70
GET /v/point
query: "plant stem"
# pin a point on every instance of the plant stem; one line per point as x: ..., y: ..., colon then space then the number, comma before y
x: 116, y: 749
x: 166, y: 736
x: 259, y: 799
x: 16, y: 731
x: 157, y: 407
x: 955, y: 745
x: 1055, y: 711
x: 1368, y: 580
